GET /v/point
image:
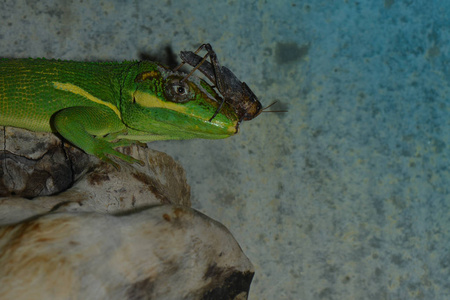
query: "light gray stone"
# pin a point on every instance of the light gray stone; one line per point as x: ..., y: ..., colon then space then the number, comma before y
x: 112, y: 234
x: 32, y: 164
x: 163, y: 252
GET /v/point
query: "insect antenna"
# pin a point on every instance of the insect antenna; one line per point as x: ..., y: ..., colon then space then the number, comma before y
x: 277, y: 111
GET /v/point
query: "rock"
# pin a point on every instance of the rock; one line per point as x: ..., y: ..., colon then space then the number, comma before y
x: 34, y: 164
x: 81, y: 181
x: 93, y: 232
x: 163, y: 252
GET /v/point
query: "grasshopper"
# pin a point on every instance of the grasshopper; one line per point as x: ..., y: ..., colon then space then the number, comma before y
x: 236, y: 93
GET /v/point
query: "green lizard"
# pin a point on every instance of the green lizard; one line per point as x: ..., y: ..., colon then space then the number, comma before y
x: 100, y: 106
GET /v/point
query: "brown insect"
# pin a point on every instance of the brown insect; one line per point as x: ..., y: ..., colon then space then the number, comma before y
x: 234, y: 92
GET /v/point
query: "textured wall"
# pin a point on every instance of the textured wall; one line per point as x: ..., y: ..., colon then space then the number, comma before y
x: 346, y: 196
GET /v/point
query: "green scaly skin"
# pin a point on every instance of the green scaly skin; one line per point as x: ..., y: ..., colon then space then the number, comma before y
x: 101, y: 106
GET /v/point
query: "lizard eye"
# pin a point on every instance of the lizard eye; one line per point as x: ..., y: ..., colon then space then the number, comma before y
x: 177, y: 91
x: 180, y: 90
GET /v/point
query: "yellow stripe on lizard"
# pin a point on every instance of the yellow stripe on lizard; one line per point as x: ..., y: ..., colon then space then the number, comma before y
x: 155, y: 104
x: 79, y: 91
x: 148, y: 100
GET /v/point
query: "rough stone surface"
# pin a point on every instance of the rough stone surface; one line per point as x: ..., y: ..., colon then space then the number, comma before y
x: 108, y: 233
x: 163, y: 252
x: 32, y: 165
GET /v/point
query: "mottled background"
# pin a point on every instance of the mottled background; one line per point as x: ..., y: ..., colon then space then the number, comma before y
x: 346, y: 196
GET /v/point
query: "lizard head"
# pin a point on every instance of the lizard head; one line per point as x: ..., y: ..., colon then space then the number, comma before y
x: 161, y: 102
